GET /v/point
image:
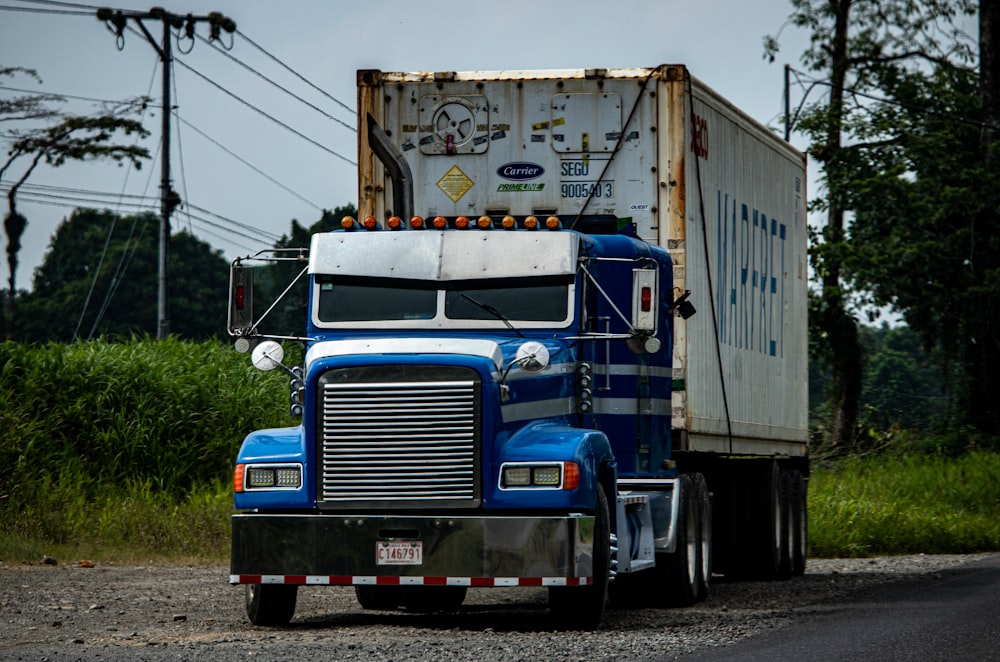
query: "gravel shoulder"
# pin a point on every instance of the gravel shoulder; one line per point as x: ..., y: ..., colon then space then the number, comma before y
x: 109, y: 612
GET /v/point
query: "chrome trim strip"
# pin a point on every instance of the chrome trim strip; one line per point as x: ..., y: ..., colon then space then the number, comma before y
x: 471, y: 346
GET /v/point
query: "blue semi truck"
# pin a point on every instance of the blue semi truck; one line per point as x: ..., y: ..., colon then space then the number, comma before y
x: 564, y: 346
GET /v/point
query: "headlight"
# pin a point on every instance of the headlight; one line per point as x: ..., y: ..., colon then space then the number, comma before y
x: 268, y: 476
x: 540, y: 475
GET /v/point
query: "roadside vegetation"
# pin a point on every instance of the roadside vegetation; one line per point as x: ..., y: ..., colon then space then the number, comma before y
x: 124, y: 452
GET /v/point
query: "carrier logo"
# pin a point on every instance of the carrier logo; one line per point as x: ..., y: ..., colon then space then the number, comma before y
x: 520, y: 171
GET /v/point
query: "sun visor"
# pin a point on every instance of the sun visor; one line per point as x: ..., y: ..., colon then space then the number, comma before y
x: 444, y: 256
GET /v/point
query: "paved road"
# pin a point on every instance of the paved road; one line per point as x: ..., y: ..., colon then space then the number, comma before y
x: 955, y: 618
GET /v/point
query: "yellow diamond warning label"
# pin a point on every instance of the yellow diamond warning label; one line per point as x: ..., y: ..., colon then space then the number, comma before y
x: 455, y: 184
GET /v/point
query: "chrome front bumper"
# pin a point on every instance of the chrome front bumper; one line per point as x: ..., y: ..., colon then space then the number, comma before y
x: 341, y: 547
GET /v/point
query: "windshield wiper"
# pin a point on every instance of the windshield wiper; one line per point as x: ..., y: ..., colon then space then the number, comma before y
x: 492, y: 311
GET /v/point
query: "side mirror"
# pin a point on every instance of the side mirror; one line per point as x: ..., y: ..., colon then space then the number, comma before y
x: 240, y: 300
x: 644, y: 300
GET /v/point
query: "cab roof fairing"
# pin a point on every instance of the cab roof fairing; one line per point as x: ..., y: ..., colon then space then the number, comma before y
x: 437, y: 255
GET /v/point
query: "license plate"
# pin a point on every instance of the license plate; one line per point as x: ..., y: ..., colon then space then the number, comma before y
x: 399, y: 552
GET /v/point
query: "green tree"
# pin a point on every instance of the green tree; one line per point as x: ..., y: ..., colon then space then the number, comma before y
x: 858, y: 46
x: 71, y: 138
x: 904, y: 387
x: 926, y: 233
x: 76, y: 294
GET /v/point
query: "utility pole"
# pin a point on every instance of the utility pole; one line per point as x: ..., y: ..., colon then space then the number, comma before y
x: 117, y: 20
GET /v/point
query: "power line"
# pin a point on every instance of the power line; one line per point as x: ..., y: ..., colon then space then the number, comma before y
x: 203, y: 134
x: 38, y: 10
x: 277, y: 85
x: 54, y: 200
x: 180, y: 147
x: 61, y: 3
x: 126, y: 255
x: 38, y: 192
x: 295, y: 73
x: 265, y: 114
x: 245, y: 162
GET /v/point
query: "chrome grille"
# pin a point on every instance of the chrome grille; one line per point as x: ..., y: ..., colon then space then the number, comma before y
x: 398, y: 443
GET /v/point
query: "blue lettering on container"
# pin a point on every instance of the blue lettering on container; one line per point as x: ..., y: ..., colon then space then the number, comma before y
x: 750, y: 280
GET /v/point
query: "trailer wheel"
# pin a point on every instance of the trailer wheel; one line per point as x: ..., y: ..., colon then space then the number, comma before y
x: 772, y: 527
x: 799, y: 520
x: 786, y: 528
x: 582, y: 608
x: 703, y: 501
x: 677, y: 572
x: 755, y: 537
x: 270, y: 604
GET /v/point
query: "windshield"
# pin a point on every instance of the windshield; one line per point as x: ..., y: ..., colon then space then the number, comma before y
x: 543, y: 301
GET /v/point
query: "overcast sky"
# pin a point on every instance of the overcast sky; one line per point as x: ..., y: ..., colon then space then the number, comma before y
x: 326, y: 42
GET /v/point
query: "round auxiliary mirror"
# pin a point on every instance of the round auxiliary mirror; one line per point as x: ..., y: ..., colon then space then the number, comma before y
x: 532, y: 356
x: 267, y: 355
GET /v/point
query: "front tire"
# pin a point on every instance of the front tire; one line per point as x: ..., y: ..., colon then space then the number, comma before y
x: 381, y: 598
x: 270, y: 604
x: 583, y: 607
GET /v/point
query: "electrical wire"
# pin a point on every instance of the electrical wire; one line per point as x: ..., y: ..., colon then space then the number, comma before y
x: 51, y: 195
x: 107, y: 242
x: 265, y: 114
x: 38, y: 10
x: 295, y: 73
x: 180, y: 147
x: 245, y: 162
x: 203, y: 134
x: 275, y: 84
x: 61, y: 3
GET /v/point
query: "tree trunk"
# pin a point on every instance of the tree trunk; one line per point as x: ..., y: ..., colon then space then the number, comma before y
x: 989, y: 72
x: 841, y: 328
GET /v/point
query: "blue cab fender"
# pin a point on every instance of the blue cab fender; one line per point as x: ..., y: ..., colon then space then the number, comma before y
x: 555, y: 442
x: 276, y: 446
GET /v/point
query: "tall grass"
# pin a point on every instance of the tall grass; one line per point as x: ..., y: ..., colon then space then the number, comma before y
x: 906, y: 504
x: 124, y: 451
x: 114, y: 441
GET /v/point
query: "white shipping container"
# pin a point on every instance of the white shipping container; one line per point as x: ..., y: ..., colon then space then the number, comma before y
x: 723, y: 194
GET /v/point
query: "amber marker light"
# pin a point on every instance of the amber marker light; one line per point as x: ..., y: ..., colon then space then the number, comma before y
x: 440, y: 223
x: 238, y: 478
x: 509, y: 223
x: 348, y: 223
x: 552, y: 223
x: 531, y: 223
x: 484, y: 222
x: 462, y: 222
x: 417, y: 222
x: 370, y: 223
x: 394, y: 223
x: 571, y: 475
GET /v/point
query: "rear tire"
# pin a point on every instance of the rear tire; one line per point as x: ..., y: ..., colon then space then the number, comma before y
x: 785, y: 562
x: 270, y: 604
x: 703, y: 501
x: 755, y: 539
x: 799, y: 522
x: 582, y: 608
x: 678, y: 572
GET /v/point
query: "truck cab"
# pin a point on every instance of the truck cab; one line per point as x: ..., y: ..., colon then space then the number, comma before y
x: 473, y: 400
